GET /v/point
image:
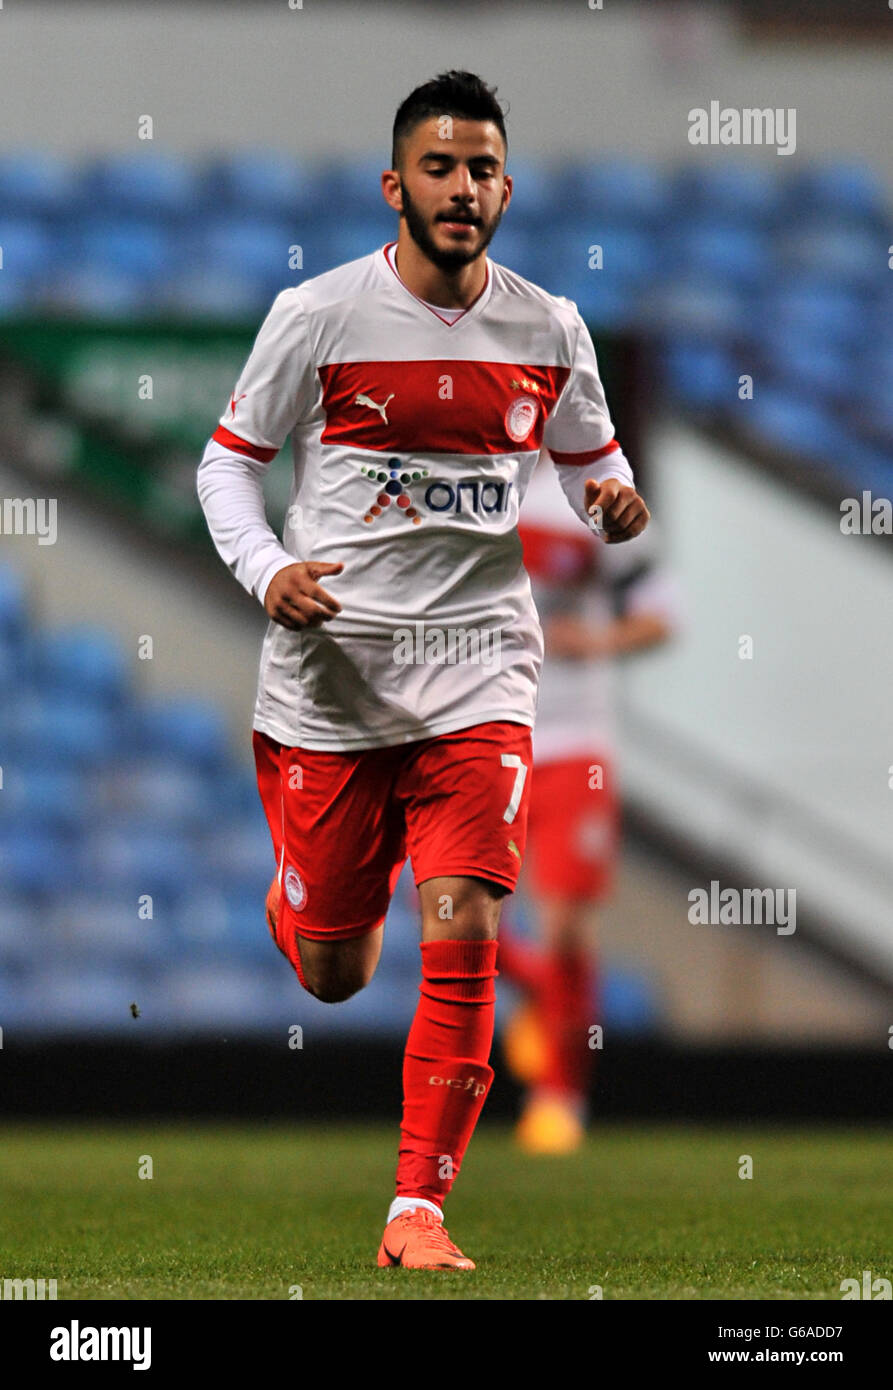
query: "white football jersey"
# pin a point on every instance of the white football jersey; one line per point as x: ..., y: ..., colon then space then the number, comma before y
x: 413, y: 442
x: 573, y: 572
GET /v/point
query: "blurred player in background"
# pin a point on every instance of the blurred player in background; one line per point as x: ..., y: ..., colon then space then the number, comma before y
x: 597, y: 603
x: 419, y: 385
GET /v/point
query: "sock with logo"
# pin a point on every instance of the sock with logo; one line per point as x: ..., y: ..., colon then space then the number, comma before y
x: 446, y: 1075
x: 567, y: 1004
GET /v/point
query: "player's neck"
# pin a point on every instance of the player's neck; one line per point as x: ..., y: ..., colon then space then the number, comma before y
x: 455, y: 290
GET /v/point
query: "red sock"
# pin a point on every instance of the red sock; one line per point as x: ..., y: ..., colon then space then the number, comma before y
x: 445, y: 1073
x: 520, y: 962
x: 567, y: 1011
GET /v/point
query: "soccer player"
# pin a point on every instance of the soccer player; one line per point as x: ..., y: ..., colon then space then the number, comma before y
x: 597, y: 604
x: 398, y: 675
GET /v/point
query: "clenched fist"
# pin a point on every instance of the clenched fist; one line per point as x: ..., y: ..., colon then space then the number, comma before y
x: 621, y: 512
x: 294, y: 598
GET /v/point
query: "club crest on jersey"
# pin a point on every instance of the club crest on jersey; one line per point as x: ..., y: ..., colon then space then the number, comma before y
x: 520, y: 417
x: 294, y: 888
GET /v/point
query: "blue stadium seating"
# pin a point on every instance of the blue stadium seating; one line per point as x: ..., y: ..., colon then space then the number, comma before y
x: 262, y: 185
x: 150, y: 183
x: 35, y: 181
x: 725, y: 247
x: 28, y: 248
x: 85, y: 661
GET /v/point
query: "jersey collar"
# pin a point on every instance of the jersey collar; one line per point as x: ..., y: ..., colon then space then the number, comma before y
x: 391, y: 276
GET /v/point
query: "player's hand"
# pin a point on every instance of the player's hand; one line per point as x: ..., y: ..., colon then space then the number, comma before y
x: 294, y: 598
x: 622, y: 513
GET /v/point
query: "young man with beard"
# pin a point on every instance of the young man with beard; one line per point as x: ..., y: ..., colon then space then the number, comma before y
x: 419, y: 385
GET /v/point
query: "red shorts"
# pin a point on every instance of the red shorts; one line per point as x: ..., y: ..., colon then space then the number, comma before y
x: 343, y: 823
x: 574, y: 831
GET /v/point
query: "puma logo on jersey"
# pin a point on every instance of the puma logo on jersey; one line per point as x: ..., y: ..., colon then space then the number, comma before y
x: 360, y: 399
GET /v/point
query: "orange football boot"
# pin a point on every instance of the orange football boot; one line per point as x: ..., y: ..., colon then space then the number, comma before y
x: 419, y: 1240
x: 525, y: 1044
x: 550, y: 1124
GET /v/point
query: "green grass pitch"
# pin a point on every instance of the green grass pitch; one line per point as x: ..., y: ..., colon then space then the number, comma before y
x: 242, y: 1212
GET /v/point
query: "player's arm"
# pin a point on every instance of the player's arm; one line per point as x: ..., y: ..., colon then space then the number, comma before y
x: 594, y: 474
x: 567, y: 635
x: 275, y: 390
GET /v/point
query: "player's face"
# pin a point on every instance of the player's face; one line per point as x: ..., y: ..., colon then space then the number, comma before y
x: 453, y: 189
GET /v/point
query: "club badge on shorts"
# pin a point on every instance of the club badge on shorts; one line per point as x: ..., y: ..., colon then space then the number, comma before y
x: 294, y: 888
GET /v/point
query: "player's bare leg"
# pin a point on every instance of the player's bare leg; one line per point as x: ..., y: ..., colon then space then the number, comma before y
x: 334, y: 970
x: 446, y: 1075
x: 330, y: 970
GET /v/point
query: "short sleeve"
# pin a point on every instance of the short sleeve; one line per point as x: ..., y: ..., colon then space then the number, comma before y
x: 579, y: 428
x: 277, y: 387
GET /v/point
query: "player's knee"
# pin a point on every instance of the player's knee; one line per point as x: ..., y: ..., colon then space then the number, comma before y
x: 333, y: 986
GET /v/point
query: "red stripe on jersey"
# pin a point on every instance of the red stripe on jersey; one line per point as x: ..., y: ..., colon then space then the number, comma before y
x: 590, y: 456
x: 557, y: 556
x: 242, y: 446
x: 439, y: 407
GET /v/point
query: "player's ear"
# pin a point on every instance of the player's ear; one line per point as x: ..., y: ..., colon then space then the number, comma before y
x: 392, y: 189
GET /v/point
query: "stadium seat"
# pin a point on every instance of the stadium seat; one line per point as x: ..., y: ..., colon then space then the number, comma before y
x: 98, y: 927
x: 797, y: 357
x: 138, y: 856
x: 745, y: 195
x: 131, y: 246
x: 722, y: 251
x: 213, y: 292
x: 95, y: 291
x: 701, y: 375
x: 790, y: 421
x: 43, y: 793
x: 85, y: 660
x: 619, y: 188
x: 22, y: 940
x: 826, y: 311
x: 149, y: 183
x: 193, y: 730
x: 12, y: 605
x: 74, y: 730
x: 264, y: 185
x: 36, y: 182
x: 36, y: 861
x: 847, y: 253
x: 222, y: 925
x: 699, y: 306
x: 336, y: 241
x: 835, y: 187
x: 240, y: 852
x: 249, y: 246
x: 160, y: 789
x: 28, y: 246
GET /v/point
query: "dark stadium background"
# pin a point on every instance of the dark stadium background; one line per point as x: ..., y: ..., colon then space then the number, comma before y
x: 126, y: 258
